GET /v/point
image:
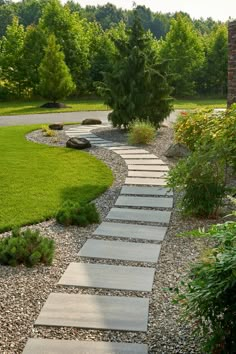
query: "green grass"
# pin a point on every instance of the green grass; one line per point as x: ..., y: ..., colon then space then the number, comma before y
x: 36, y: 179
x: 200, y: 103
x: 33, y: 107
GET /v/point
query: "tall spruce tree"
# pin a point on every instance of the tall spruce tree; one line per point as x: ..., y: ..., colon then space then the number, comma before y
x: 55, y: 78
x: 137, y: 87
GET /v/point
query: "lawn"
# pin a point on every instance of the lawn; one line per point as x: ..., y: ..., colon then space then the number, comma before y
x: 36, y: 179
x: 33, y: 107
x: 200, y: 103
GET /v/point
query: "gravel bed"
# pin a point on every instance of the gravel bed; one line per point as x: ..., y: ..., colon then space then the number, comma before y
x: 24, y: 291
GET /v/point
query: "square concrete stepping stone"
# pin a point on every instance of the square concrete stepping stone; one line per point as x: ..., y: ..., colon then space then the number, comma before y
x: 136, y: 161
x: 57, y: 346
x: 146, y: 181
x: 133, y: 151
x: 135, y: 190
x: 105, y: 276
x: 95, y: 312
x: 152, y: 174
x: 145, y: 232
x: 148, y: 202
x: 139, y: 215
x: 148, y: 168
x: 126, y: 251
x: 139, y: 156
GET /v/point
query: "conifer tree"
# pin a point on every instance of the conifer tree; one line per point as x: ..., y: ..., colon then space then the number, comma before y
x: 137, y: 87
x: 55, y: 78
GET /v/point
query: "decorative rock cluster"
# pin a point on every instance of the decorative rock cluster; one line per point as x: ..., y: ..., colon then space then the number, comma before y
x: 232, y: 64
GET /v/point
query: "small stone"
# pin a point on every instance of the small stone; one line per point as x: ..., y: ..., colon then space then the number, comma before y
x: 177, y: 150
x: 78, y: 143
x: 56, y: 126
x: 91, y: 121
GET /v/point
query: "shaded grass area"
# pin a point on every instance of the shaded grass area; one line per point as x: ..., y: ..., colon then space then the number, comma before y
x: 200, y: 103
x: 37, y: 179
x: 33, y: 107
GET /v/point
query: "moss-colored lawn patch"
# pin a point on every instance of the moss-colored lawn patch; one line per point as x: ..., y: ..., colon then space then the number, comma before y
x: 36, y: 179
x: 200, y: 103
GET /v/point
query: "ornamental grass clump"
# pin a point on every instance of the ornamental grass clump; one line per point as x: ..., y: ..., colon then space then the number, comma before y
x: 26, y: 247
x: 141, y: 132
x: 208, y: 295
x: 77, y: 214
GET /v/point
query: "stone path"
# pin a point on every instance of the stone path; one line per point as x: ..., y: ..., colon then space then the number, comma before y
x: 141, y: 212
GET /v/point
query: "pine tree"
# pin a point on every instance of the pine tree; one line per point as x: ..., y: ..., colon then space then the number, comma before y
x: 55, y: 79
x: 137, y: 87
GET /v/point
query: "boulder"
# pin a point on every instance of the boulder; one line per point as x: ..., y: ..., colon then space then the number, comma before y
x: 91, y: 121
x: 177, y: 150
x: 78, y: 143
x: 54, y: 105
x: 56, y: 126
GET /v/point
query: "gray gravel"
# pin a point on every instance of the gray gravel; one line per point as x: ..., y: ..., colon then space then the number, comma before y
x: 24, y: 291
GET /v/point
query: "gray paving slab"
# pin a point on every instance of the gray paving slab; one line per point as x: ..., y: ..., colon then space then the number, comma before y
x: 148, y: 202
x: 129, y: 214
x: 136, y: 161
x: 58, y: 346
x: 139, y: 156
x: 148, y: 168
x: 152, y: 174
x: 103, y: 145
x: 146, y: 181
x: 127, y: 251
x: 122, y: 147
x: 95, y: 312
x: 145, y: 232
x: 98, y: 142
x: 105, y: 276
x: 132, y: 151
x: 142, y: 190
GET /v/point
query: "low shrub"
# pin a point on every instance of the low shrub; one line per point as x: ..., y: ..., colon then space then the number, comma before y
x: 201, y: 178
x: 47, y: 131
x: 141, y: 132
x: 77, y: 214
x: 26, y: 247
x: 208, y: 296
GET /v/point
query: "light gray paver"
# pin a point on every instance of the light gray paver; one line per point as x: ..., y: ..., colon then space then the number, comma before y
x: 122, y: 147
x: 141, y: 156
x: 105, y: 276
x: 57, y: 346
x: 132, y: 151
x: 136, y: 161
x: 145, y: 232
x: 146, y: 181
x: 142, y: 190
x: 129, y: 214
x: 148, y: 202
x: 148, y: 168
x: 127, y: 251
x: 95, y: 312
x: 152, y: 174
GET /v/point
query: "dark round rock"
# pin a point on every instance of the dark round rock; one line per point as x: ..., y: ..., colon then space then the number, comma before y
x: 90, y: 121
x: 54, y: 105
x: 78, y: 143
x: 56, y: 126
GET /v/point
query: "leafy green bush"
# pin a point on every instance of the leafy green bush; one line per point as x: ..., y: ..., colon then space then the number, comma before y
x: 75, y: 214
x: 209, y: 295
x: 141, y: 132
x: 201, y: 179
x: 26, y: 247
x: 47, y: 131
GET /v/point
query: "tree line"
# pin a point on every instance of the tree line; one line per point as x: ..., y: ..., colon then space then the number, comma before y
x: 194, y: 51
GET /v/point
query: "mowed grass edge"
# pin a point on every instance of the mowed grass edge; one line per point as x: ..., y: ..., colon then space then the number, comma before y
x: 36, y: 179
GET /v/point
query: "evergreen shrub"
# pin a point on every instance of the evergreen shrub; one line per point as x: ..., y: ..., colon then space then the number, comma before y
x: 141, y: 132
x: 26, y: 247
x: 208, y: 295
x: 77, y: 214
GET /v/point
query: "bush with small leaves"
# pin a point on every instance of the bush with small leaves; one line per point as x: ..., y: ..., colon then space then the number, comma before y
x: 208, y: 295
x: 141, y: 132
x: 77, y: 214
x: 26, y: 247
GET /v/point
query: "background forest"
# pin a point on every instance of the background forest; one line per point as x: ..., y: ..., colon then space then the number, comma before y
x: 195, y: 49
